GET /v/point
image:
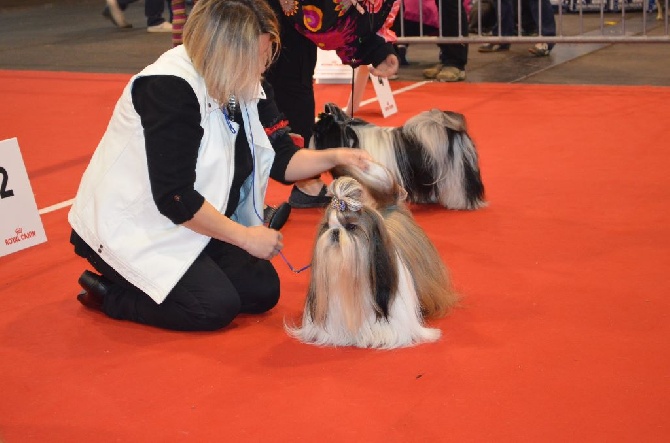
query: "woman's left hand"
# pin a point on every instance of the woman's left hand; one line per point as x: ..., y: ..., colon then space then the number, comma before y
x: 387, y: 68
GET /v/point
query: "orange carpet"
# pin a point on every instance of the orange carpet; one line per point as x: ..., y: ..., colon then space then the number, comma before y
x: 562, y: 335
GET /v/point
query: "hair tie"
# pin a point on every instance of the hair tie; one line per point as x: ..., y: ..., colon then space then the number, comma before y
x: 338, y: 204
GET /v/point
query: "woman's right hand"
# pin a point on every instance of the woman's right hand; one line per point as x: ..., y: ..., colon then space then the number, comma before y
x: 263, y: 242
x: 387, y: 68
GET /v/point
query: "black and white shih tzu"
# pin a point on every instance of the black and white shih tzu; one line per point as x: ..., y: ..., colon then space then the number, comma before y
x: 375, y: 274
x: 431, y: 155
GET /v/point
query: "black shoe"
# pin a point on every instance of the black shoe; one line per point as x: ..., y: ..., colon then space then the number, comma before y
x: 300, y: 200
x: 96, y: 287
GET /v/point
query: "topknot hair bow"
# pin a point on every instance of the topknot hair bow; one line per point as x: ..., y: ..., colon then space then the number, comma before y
x: 338, y: 204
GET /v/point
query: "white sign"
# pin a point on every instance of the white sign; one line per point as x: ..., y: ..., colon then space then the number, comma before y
x: 384, y: 95
x: 20, y: 222
x: 329, y: 68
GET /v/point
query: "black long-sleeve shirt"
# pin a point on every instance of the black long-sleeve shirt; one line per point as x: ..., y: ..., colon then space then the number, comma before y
x: 170, y: 115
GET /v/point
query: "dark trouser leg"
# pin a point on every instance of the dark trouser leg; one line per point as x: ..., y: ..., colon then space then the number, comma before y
x: 453, y: 54
x: 123, y: 4
x: 292, y: 78
x: 206, y: 298
x: 168, y: 3
x: 255, y: 280
x: 546, y: 23
x: 153, y: 10
x: 507, y: 18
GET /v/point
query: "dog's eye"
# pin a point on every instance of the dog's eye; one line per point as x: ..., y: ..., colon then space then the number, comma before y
x: 350, y: 226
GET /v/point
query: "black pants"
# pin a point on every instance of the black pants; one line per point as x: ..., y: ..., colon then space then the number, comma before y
x: 153, y: 10
x: 452, y: 54
x: 291, y: 76
x: 455, y: 54
x: 222, y: 282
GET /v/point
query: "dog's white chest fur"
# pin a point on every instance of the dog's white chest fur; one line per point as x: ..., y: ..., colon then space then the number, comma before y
x: 403, y: 327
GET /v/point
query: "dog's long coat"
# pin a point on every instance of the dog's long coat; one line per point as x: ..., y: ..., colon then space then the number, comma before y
x: 431, y: 156
x: 375, y: 274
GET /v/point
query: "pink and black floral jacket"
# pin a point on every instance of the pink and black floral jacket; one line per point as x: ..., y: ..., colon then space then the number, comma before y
x: 358, y: 30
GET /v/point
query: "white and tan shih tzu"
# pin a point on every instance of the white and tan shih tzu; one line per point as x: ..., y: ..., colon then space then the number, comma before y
x: 432, y: 155
x: 375, y: 274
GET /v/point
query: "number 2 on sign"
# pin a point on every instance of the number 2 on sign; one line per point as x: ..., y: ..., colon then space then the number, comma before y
x: 4, y: 192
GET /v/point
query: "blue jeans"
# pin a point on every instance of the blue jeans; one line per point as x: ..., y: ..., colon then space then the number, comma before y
x: 506, y: 19
x: 546, y: 23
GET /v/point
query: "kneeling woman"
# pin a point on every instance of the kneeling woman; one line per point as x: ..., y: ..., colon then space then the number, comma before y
x: 169, y: 210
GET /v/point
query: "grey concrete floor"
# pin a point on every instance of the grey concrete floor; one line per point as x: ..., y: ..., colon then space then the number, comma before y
x: 72, y: 35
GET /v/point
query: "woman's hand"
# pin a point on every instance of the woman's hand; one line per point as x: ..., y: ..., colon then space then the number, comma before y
x: 259, y: 241
x: 307, y: 163
x: 352, y: 157
x: 263, y: 242
x: 387, y: 68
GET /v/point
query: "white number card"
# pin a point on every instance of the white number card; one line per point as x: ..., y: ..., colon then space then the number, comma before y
x: 384, y: 95
x: 20, y: 222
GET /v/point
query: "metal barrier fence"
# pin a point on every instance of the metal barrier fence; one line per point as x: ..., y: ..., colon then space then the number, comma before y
x: 627, y: 21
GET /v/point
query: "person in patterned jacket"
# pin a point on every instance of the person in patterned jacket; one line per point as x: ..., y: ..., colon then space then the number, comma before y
x: 359, y: 32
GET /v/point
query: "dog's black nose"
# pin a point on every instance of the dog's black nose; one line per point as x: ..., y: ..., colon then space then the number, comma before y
x: 335, y: 235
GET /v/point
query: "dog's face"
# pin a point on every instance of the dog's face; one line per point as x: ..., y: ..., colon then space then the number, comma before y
x: 354, y: 259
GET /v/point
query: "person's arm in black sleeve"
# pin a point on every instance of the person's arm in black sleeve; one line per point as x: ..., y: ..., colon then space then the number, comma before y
x: 374, y: 50
x: 170, y: 115
x: 370, y: 47
x: 278, y: 130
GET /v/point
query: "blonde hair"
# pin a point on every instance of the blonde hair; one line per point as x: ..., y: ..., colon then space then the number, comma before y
x: 222, y: 38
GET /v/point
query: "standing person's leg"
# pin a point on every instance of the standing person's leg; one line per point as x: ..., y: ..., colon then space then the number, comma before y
x: 291, y: 75
x: 292, y: 78
x: 453, y: 56
x: 506, y: 27
x: 546, y: 25
x: 114, y: 12
x: 178, y: 8
x: 153, y: 10
x: 168, y: 4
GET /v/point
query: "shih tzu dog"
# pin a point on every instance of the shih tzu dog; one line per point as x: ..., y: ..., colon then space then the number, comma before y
x: 431, y: 156
x: 375, y: 274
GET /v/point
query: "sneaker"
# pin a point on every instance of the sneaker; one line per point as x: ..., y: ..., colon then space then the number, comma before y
x: 163, y: 27
x: 431, y: 73
x: 492, y: 47
x: 300, y: 200
x: 540, y: 50
x: 114, y: 14
x: 450, y: 74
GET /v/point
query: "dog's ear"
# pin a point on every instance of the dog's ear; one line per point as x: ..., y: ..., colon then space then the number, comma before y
x: 384, y: 270
x: 325, y: 133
